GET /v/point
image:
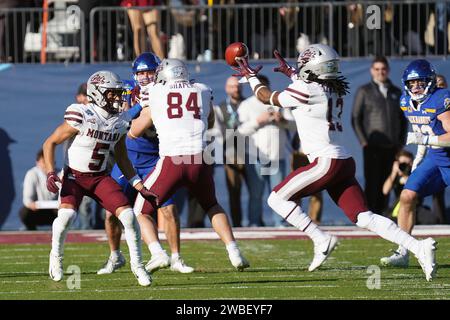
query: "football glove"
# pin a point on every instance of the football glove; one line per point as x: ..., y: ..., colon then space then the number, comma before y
x: 284, y: 67
x: 150, y: 196
x: 244, y: 69
x: 417, y: 138
x: 52, y: 179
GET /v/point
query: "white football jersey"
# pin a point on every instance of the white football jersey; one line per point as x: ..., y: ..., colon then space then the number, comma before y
x: 99, y: 132
x: 180, y: 111
x: 317, y: 113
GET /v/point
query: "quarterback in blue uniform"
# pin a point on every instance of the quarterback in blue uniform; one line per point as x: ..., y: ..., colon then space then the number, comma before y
x: 143, y: 153
x: 425, y: 106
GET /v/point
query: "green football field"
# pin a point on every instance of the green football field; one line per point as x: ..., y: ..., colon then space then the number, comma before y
x: 278, y: 271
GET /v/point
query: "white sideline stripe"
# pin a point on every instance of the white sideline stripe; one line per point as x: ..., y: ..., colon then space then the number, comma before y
x: 240, y: 233
x: 305, y: 178
x: 139, y: 204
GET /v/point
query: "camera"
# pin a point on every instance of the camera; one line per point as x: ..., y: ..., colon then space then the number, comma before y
x: 405, y: 168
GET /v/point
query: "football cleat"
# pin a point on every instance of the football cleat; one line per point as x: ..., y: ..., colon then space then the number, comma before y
x: 112, y: 264
x: 158, y: 261
x: 178, y: 265
x: 322, y: 251
x: 426, y: 257
x: 144, y: 279
x: 55, y: 268
x: 396, y: 260
x: 238, y: 261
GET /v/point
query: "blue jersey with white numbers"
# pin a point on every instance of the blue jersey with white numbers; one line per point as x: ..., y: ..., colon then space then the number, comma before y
x: 424, y: 119
x: 142, y: 151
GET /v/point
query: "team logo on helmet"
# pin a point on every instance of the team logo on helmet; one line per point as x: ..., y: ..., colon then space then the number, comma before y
x: 307, y: 55
x: 98, y: 79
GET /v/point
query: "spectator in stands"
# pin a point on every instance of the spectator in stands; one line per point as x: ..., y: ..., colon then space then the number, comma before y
x: 105, y: 29
x: 145, y: 22
x: 227, y: 118
x: 266, y: 165
x: 40, y: 205
x: 380, y: 128
x: 299, y: 159
x: 192, y: 24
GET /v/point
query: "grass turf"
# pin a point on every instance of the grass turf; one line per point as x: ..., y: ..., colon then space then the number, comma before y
x: 278, y: 271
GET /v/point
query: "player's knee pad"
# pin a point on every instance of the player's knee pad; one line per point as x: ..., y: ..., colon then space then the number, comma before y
x: 127, y: 218
x: 66, y: 216
x: 374, y: 222
x: 364, y: 219
x: 279, y: 205
x: 64, y: 220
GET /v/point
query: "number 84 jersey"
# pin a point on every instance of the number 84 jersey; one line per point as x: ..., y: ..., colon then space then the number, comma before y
x: 317, y: 113
x: 99, y: 131
x: 180, y: 111
x: 424, y: 119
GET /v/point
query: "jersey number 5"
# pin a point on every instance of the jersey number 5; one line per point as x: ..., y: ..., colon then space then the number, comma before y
x: 174, y: 101
x: 97, y: 155
x: 335, y: 125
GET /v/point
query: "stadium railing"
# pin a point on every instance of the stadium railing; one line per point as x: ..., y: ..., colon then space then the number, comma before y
x: 33, y: 34
x: 401, y: 28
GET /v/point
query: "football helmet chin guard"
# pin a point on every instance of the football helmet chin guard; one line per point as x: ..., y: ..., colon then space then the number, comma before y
x: 318, y: 61
x: 98, y: 86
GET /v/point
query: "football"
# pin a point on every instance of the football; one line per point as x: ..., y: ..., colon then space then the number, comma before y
x: 236, y: 49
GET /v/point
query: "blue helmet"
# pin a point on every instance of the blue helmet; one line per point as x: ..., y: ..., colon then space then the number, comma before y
x: 146, y: 61
x: 420, y: 70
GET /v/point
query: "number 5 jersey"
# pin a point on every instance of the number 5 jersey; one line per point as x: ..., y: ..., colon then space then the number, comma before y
x: 99, y: 132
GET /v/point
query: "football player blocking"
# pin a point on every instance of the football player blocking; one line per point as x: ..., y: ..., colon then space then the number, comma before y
x: 426, y: 107
x: 315, y: 96
x: 143, y: 153
x: 93, y: 132
x: 181, y: 112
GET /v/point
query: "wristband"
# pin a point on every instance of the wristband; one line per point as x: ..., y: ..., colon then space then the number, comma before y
x: 271, y: 98
x: 259, y: 88
x: 135, y: 180
x: 253, y: 81
x: 433, y: 141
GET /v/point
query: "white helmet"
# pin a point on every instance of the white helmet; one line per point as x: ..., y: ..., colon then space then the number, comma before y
x: 101, y: 82
x: 320, y: 60
x: 171, y: 70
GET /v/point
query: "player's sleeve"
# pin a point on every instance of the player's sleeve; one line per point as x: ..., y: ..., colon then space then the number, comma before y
x: 134, y: 111
x: 443, y: 104
x: 294, y: 96
x: 74, y: 116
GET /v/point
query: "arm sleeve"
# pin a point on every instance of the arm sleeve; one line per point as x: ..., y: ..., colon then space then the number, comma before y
x: 357, y: 116
x: 29, y: 189
x: 134, y: 112
x: 444, y: 104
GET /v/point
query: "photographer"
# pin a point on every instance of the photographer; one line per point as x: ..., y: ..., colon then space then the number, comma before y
x: 401, y: 169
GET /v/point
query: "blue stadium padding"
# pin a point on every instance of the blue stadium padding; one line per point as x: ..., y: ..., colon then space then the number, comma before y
x: 33, y: 99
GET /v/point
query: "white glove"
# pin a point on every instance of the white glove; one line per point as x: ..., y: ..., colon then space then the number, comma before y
x: 421, y: 151
x: 144, y: 99
x: 417, y: 138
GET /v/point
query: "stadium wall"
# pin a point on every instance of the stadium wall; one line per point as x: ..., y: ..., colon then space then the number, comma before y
x: 33, y: 99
